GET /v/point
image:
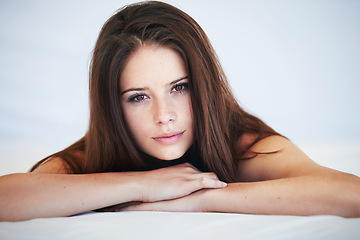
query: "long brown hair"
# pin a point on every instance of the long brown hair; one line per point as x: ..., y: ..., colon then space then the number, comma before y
x: 219, y: 121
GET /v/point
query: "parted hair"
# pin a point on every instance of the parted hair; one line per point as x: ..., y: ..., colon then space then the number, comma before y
x: 219, y: 121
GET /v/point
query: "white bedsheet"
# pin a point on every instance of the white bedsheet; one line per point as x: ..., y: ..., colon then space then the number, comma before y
x: 165, y: 225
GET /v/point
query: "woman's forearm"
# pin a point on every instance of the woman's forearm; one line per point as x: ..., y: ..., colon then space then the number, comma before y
x: 318, y: 194
x: 26, y: 195
x: 30, y: 195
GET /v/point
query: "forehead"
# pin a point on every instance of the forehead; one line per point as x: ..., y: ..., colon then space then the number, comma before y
x: 152, y: 64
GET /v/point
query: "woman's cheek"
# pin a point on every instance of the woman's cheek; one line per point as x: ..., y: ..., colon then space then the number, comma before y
x: 137, y: 118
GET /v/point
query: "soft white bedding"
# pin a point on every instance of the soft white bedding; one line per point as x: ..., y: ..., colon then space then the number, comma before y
x: 342, y: 155
x: 165, y: 225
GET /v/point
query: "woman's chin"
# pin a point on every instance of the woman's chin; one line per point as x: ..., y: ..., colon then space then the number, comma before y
x: 168, y: 156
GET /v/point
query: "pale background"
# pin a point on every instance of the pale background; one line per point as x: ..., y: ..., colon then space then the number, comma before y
x: 295, y: 64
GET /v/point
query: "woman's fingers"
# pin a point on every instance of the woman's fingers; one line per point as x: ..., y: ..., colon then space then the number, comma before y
x: 205, y: 182
x: 195, y: 173
x: 209, y: 175
x: 199, y: 180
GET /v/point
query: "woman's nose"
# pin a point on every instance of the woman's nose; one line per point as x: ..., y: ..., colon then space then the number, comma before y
x: 164, y: 113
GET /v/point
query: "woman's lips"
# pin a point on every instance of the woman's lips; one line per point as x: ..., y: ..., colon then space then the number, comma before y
x: 169, y: 138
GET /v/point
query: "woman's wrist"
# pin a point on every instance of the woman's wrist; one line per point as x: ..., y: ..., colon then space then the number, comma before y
x: 222, y: 199
x: 211, y: 198
x: 125, y: 186
x: 138, y: 186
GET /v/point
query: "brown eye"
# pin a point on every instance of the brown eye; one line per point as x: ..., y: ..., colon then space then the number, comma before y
x: 180, y: 87
x: 137, y: 98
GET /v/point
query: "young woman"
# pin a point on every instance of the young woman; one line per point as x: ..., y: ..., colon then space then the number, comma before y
x: 166, y: 134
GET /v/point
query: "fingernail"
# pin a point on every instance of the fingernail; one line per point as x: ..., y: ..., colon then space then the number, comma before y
x: 224, y: 184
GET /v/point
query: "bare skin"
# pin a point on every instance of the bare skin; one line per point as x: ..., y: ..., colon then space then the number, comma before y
x: 287, y: 182
x: 279, y: 186
x: 51, y: 191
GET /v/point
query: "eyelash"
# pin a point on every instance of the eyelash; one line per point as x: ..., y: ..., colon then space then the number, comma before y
x: 184, y: 86
x: 135, y: 98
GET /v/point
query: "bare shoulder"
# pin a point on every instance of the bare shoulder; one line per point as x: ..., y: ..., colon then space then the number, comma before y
x: 54, y: 165
x: 268, y: 144
x: 274, y: 157
x: 57, y: 165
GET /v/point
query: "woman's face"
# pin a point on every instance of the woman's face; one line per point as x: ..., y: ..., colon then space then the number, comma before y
x: 156, y: 102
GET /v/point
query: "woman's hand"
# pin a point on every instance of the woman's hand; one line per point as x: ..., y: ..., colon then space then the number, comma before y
x: 175, y: 182
x: 190, y: 203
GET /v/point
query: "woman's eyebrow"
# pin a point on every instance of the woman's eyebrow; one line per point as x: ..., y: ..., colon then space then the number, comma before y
x: 133, y: 89
x: 178, y: 80
x: 146, y: 88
